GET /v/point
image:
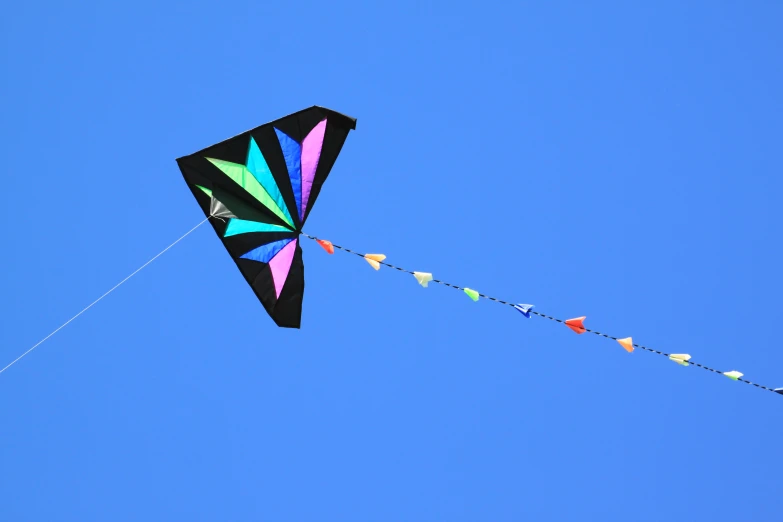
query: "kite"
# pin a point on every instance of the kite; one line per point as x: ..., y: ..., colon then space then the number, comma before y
x: 258, y: 188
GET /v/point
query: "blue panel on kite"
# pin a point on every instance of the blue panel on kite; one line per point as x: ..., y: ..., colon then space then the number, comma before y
x: 292, y: 152
x: 265, y: 253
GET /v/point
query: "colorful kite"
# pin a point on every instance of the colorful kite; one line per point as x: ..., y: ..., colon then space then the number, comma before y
x: 258, y: 189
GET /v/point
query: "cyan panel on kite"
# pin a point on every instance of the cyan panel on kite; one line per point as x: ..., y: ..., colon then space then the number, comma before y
x: 258, y: 189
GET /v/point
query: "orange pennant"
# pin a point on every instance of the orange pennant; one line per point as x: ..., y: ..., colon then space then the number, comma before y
x: 326, y: 245
x: 626, y: 343
x: 577, y: 324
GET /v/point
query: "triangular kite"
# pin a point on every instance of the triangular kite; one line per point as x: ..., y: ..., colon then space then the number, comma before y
x: 524, y: 309
x: 257, y: 190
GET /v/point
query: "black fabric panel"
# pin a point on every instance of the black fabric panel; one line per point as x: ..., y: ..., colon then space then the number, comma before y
x: 244, y: 209
x: 202, y: 199
x: 218, y: 209
x: 240, y: 141
x: 241, y: 244
x: 288, y: 310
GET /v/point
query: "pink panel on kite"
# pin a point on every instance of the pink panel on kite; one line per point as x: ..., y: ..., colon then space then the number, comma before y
x: 281, y: 265
x: 311, y: 153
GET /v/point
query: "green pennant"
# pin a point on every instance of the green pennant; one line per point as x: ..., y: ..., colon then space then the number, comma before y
x: 471, y: 293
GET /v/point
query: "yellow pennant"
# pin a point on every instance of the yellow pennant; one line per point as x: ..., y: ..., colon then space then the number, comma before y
x: 733, y: 375
x: 680, y: 358
x: 374, y: 260
x: 423, y: 278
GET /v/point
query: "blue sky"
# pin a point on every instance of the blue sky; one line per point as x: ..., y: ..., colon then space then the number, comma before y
x: 619, y: 160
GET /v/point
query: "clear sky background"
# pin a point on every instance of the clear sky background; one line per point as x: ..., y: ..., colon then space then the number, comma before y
x: 619, y: 160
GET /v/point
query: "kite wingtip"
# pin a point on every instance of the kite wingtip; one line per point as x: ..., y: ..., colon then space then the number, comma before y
x: 350, y: 120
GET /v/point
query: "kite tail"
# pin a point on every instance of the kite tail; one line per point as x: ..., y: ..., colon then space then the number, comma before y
x: 377, y: 260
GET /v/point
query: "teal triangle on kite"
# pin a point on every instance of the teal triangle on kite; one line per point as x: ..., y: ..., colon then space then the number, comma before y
x: 242, y: 226
x: 258, y: 167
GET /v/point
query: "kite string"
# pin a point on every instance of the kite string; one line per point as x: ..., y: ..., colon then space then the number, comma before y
x: 66, y: 323
x: 544, y: 315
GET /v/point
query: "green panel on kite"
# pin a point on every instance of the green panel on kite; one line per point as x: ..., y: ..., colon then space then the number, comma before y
x: 245, y: 179
x: 207, y: 191
x: 242, y: 226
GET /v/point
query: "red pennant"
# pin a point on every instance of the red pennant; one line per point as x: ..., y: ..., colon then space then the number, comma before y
x: 326, y: 245
x: 577, y: 324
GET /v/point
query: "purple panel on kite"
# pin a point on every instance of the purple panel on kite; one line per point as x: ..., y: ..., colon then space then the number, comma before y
x: 311, y: 153
x: 281, y: 265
